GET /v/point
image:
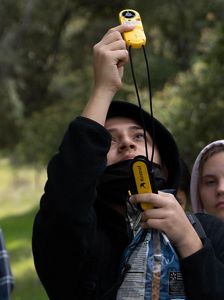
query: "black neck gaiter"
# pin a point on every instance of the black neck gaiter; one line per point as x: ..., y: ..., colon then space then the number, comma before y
x: 115, y: 183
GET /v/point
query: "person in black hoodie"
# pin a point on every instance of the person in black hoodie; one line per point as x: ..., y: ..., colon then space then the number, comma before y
x: 81, y: 229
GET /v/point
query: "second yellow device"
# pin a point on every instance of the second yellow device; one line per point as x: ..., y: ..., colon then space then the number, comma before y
x: 142, y: 179
x: 135, y: 38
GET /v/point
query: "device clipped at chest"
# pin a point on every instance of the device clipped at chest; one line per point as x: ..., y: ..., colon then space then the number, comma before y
x: 142, y: 179
x: 135, y: 38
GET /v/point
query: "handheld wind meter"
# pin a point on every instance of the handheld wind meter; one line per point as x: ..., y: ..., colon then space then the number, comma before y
x: 142, y: 179
x: 135, y: 38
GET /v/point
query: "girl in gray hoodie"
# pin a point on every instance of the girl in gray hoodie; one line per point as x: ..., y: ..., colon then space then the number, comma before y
x: 207, y: 180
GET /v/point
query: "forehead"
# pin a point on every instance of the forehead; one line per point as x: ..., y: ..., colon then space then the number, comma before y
x: 214, y: 163
x: 211, y: 151
x: 121, y: 122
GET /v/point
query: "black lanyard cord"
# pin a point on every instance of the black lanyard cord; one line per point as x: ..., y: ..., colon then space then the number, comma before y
x: 150, y: 102
x: 139, y: 102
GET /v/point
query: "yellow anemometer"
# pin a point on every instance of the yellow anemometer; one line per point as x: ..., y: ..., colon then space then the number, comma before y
x: 135, y: 38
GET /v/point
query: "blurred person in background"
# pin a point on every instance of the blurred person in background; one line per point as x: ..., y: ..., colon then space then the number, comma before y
x: 6, y: 278
x: 207, y: 180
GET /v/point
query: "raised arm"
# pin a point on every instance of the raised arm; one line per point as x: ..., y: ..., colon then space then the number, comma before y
x: 110, y: 56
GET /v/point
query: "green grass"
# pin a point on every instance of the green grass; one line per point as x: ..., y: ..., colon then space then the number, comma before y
x: 20, y: 192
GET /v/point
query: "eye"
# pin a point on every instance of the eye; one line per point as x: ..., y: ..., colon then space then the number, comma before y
x: 139, y: 136
x: 209, y: 181
x: 113, y: 140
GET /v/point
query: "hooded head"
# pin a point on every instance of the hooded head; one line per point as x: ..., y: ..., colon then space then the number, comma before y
x: 164, y: 141
x: 195, y: 175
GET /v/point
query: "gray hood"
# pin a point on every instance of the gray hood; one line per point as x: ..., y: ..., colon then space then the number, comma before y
x: 195, y: 201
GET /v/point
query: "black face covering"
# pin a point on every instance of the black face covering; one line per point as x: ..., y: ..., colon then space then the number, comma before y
x: 116, y: 181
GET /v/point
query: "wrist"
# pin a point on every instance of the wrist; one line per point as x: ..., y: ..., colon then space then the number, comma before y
x: 188, y: 246
x: 98, y: 105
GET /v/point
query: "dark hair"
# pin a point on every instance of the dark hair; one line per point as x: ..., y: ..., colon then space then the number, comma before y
x: 185, y: 178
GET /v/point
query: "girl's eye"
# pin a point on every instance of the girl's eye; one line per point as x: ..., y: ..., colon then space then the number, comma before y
x: 209, y: 182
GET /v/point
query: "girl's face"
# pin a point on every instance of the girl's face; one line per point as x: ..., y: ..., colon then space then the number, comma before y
x: 211, y: 185
x: 127, y: 140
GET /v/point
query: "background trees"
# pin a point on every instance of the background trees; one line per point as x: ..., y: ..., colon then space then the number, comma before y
x: 46, y: 69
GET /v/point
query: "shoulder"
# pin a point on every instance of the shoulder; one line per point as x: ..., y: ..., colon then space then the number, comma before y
x: 210, y: 223
x: 84, y: 122
x: 214, y: 229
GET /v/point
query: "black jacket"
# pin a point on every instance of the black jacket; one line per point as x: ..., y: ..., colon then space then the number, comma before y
x: 77, y: 244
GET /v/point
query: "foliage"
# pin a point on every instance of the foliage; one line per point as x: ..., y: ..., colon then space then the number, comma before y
x: 195, y: 103
x: 11, y: 114
x: 43, y: 132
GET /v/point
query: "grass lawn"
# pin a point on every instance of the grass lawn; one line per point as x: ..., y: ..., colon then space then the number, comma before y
x: 20, y: 191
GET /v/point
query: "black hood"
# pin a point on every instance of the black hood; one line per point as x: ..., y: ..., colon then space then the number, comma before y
x: 163, y: 138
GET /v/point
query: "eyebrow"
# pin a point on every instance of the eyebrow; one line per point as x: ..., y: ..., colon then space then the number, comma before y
x: 132, y: 127
x: 207, y: 176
